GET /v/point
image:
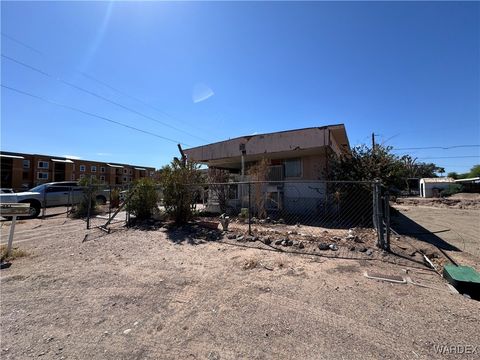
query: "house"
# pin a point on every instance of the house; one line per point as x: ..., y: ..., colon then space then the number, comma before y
x: 431, y: 187
x: 298, y: 160
x: 22, y: 171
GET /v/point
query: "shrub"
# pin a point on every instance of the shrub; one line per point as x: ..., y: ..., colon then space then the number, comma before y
x: 143, y: 201
x: 115, y: 198
x: 89, y: 189
x: 178, y: 193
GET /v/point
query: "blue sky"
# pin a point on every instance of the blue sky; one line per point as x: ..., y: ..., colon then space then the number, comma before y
x: 408, y: 71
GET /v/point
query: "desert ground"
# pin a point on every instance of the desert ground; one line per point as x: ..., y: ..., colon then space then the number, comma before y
x: 159, y: 293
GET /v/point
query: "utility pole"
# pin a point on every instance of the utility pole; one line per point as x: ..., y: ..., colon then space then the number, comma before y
x: 373, y: 142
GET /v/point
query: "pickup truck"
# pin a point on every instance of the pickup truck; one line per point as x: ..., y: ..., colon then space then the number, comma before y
x: 51, y: 194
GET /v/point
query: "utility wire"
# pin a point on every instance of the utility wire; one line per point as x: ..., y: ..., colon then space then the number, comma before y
x: 90, y: 114
x: 96, y: 95
x: 21, y: 43
x: 90, y: 77
x: 438, y: 147
x: 451, y: 157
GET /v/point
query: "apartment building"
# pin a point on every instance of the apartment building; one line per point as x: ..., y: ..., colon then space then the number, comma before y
x: 23, y: 171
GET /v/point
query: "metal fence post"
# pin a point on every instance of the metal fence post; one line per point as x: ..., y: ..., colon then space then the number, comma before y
x: 89, y: 206
x: 249, y: 210
x: 387, y: 221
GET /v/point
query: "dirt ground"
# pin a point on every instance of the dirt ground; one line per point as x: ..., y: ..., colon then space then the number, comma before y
x: 136, y: 294
x: 459, y: 228
x: 456, y: 201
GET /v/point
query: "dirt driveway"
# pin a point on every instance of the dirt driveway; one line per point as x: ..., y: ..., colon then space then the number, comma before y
x: 136, y: 294
x: 458, y: 229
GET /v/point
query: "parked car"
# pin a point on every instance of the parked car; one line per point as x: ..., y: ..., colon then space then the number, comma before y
x: 6, y: 191
x: 51, y: 194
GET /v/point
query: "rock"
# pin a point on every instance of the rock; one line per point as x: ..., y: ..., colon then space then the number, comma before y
x: 267, y: 241
x: 231, y: 236
x: 298, y: 225
x: 300, y: 245
x: 323, y: 246
x: 262, y: 221
x: 268, y: 220
x: 127, y: 331
x: 250, y: 238
x: 240, y: 238
x: 362, y: 249
x: 358, y: 240
x: 336, y: 238
x: 278, y: 242
x: 369, y: 252
x: 281, y: 221
x: 351, y: 248
x: 333, y: 247
x: 292, y: 232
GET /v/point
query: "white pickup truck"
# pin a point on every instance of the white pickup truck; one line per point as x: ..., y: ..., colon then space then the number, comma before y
x: 51, y: 194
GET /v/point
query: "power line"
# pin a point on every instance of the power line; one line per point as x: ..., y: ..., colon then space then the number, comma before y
x: 451, y: 157
x: 95, y: 95
x: 90, y: 114
x: 438, y: 147
x: 90, y: 77
x: 21, y: 43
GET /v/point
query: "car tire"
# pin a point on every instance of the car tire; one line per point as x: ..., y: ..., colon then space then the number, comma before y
x: 34, y: 210
x: 101, y: 200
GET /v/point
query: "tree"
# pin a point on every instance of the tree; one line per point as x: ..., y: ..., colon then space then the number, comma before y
x: 363, y: 163
x: 143, y: 201
x: 474, y: 171
x: 179, y: 181
x: 218, y: 177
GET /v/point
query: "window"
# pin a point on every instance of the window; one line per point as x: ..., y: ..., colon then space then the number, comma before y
x: 124, y: 179
x: 43, y: 164
x: 57, y: 189
x: 73, y: 176
x: 82, y: 176
x: 93, y: 168
x: 124, y: 171
x: 26, y: 164
x: 102, y: 169
x: 42, y: 176
x: 82, y: 168
x: 293, y: 168
x: 130, y: 171
x: 102, y: 177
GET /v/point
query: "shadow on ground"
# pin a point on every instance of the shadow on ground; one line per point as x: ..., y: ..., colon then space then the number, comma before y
x: 192, y: 234
x: 403, y: 225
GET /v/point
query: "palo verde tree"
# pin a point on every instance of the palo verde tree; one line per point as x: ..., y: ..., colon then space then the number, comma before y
x: 143, y: 199
x: 179, y: 181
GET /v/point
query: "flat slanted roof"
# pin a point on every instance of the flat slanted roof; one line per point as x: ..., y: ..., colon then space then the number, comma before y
x: 300, y: 140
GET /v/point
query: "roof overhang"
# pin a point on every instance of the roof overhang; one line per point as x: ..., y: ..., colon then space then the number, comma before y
x: 141, y: 169
x: 266, y: 145
x: 62, y: 161
x: 11, y: 156
x: 115, y: 166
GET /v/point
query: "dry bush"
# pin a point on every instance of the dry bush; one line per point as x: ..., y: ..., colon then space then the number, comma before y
x: 16, y: 253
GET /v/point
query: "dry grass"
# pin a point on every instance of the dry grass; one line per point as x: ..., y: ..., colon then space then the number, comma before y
x: 16, y: 253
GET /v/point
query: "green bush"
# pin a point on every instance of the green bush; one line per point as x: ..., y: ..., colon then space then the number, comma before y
x: 89, y: 190
x: 143, y: 199
x: 178, y: 193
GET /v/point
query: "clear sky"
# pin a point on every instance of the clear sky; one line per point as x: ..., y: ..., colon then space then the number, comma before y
x: 408, y: 71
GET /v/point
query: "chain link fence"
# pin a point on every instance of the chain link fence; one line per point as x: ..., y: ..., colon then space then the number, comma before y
x: 300, y: 210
